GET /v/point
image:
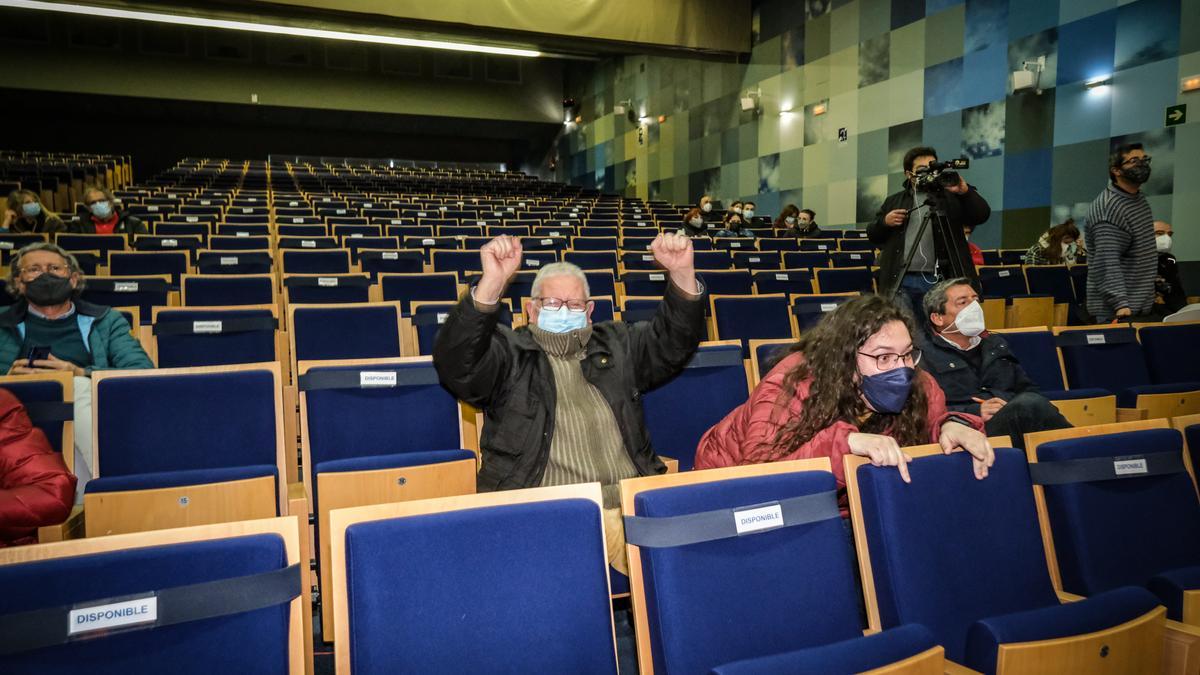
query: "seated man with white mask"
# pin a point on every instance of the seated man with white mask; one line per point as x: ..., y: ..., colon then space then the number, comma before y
x: 976, y: 369
x: 562, y: 396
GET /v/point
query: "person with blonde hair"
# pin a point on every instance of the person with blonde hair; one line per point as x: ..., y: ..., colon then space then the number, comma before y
x: 30, y: 215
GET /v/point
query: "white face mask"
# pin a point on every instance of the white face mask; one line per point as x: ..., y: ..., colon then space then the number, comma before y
x: 737, y: 210
x: 790, y: 220
x: 749, y: 213
x: 1068, y: 250
x: 969, y: 321
x: 696, y: 222
x: 1162, y: 242
x: 707, y: 207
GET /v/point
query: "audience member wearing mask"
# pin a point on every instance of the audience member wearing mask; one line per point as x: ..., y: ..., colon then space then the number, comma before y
x: 976, y: 370
x: 100, y: 215
x: 80, y: 337
x: 694, y: 224
x: 748, y: 211
x: 561, y: 396
x: 1060, y: 245
x: 806, y: 225
x: 1169, y: 296
x: 36, y: 489
x: 786, y: 221
x: 976, y: 252
x: 848, y: 386
x: 29, y: 215
x: 706, y: 209
x: 1122, y: 258
x: 734, y: 226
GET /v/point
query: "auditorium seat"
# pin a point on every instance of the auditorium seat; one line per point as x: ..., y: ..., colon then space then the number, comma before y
x: 712, y: 384
x: 1009, y: 619
x: 692, y: 582
x: 750, y: 317
x: 843, y: 280
x: 1035, y: 349
x: 48, y: 398
x: 1170, y: 350
x: 810, y: 308
x: 756, y: 260
x: 223, y: 428
x: 399, y: 261
x: 344, y: 331
x: 735, y: 244
x: 235, y: 262
x: 144, y: 292
x: 819, y: 244
x: 376, y: 431
x: 327, y: 288
x: 354, y: 244
x: 726, y: 281
x: 214, y: 336
x: 778, y: 244
x: 592, y: 260
x: 406, y: 288
x: 1131, y: 478
x: 208, y: 290
x: 219, y: 598
x: 105, y: 243
x: 783, y: 281
x: 794, y: 260
x: 408, y: 573
x: 764, y: 354
x: 329, y: 261
x: 143, y: 263
x: 239, y: 243
x: 852, y: 258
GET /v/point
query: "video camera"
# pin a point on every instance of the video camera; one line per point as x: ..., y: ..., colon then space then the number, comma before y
x: 939, y: 175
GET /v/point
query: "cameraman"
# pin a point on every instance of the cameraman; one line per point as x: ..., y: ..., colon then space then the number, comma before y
x: 938, y: 255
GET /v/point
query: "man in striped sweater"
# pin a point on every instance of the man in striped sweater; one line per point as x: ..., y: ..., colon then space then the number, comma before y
x: 1122, y: 261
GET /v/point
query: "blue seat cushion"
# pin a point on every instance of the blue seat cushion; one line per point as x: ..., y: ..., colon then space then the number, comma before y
x: 393, y: 461
x: 166, y: 479
x: 1099, y: 612
x: 618, y: 583
x: 1075, y: 394
x: 524, y: 582
x: 1128, y: 397
x: 1169, y: 587
x: 840, y: 658
x: 250, y: 642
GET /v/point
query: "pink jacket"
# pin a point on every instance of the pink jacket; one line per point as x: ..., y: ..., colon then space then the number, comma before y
x: 747, y: 432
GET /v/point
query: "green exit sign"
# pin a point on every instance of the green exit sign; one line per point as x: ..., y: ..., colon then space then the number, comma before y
x: 1176, y: 114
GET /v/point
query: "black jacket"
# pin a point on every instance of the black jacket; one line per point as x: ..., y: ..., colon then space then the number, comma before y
x: 1168, y: 288
x: 961, y: 210
x: 999, y: 375
x: 505, y: 373
x: 127, y: 223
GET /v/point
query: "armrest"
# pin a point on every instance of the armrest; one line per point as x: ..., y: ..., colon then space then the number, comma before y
x: 953, y: 668
x: 1064, y: 596
x: 672, y: 463
x: 71, y: 528
x: 297, y: 499
x: 1182, y: 643
x: 1132, y: 414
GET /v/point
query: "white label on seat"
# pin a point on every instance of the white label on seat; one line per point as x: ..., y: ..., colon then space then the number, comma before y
x: 481, y: 223
x: 205, y: 202
x: 648, y: 258
x: 442, y: 316
x: 193, y: 219
x: 169, y: 243
x: 6, y: 245
x: 521, y: 204
x: 229, y: 261
x: 113, y: 615
x: 326, y: 199
x: 556, y: 234
x: 206, y: 326
x: 1127, y: 467
x: 368, y: 205
x: 1096, y: 339
x: 356, y: 235
x: 782, y: 277
x: 511, y: 210
x: 658, y: 277
x: 152, y: 209
x: 241, y: 234
x: 327, y: 281
x: 735, y: 244
x: 1004, y: 273
x: 247, y: 210
x: 822, y: 247
x: 125, y: 286
x: 307, y: 243
x: 547, y: 242
x: 396, y: 221
x: 373, y: 378
x: 761, y: 518
x: 422, y: 214
x: 297, y: 220
x: 252, y: 199
x: 533, y: 262
x: 340, y: 212
x: 390, y: 255
x: 828, y: 306
x: 428, y: 242
x: 755, y: 259
x: 293, y: 203
x: 443, y: 208
x: 565, y: 223
x: 855, y: 256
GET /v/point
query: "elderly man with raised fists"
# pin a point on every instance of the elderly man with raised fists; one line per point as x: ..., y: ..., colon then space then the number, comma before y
x: 562, y: 396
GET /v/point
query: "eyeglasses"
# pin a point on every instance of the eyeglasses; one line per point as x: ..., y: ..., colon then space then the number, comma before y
x: 553, y: 304
x: 1137, y: 160
x: 35, y: 271
x: 889, y: 360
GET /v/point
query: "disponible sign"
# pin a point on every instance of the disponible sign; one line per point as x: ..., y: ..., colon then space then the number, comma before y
x: 113, y: 615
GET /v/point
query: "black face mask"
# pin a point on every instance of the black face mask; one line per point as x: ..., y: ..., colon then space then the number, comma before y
x: 1137, y: 174
x: 49, y: 290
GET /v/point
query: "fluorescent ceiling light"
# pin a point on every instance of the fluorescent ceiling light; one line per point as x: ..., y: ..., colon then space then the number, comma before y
x: 274, y: 29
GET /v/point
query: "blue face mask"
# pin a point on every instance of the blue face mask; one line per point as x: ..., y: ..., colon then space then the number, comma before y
x: 31, y: 209
x: 102, y: 210
x: 887, y: 392
x: 561, y: 320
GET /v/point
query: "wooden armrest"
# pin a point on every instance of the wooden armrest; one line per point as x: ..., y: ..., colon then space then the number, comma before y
x: 71, y: 528
x: 1132, y: 414
x: 1182, y: 643
x: 1064, y: 596
x: 953, y: 668
x: 672, y: 463
x: 297, y: 499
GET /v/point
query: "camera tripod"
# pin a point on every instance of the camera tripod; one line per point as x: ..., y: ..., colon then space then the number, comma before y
x: 942, y: 232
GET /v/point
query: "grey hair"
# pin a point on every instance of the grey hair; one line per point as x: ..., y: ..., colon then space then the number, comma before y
x: 87, y: 189
x: 935, y: 299
x: 559, y: 269
x: 14, y: 268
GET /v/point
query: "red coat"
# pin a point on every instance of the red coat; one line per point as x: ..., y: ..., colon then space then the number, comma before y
x: 36, y: 489
x: 747, y: 432
x: 976, y: 254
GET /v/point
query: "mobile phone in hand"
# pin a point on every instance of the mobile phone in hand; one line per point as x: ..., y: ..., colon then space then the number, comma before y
x: 38, y: 354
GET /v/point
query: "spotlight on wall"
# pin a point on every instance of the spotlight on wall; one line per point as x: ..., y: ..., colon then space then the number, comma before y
x: 622, y: 107
x: 645, y: 119
x: 820, y: 107
x: 1100, y: 81
x: 1030, y: 75
x: 1189, y: 83
x: 750, y: 99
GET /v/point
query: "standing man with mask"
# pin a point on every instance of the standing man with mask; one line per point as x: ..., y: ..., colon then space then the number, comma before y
x: 562, y: 396
x: 1169, y: 296
x: 976, y: 369
x: 1122, y: 261
x: 936, y: 255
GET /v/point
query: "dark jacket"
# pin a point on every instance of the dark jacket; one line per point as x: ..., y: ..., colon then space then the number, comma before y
x: 36, y: 489
x: 961, y: 210
x: 38, y: 224
x: 1168, y: 288
x: 127, y: 223
x: 999, y: 375
x: 505, y: 373
x: 105, y: 332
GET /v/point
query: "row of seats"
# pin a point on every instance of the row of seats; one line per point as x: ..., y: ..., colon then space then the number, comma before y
x: 1013, y: 574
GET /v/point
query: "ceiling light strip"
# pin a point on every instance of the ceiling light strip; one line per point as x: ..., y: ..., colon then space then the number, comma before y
x: 274, y: 29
